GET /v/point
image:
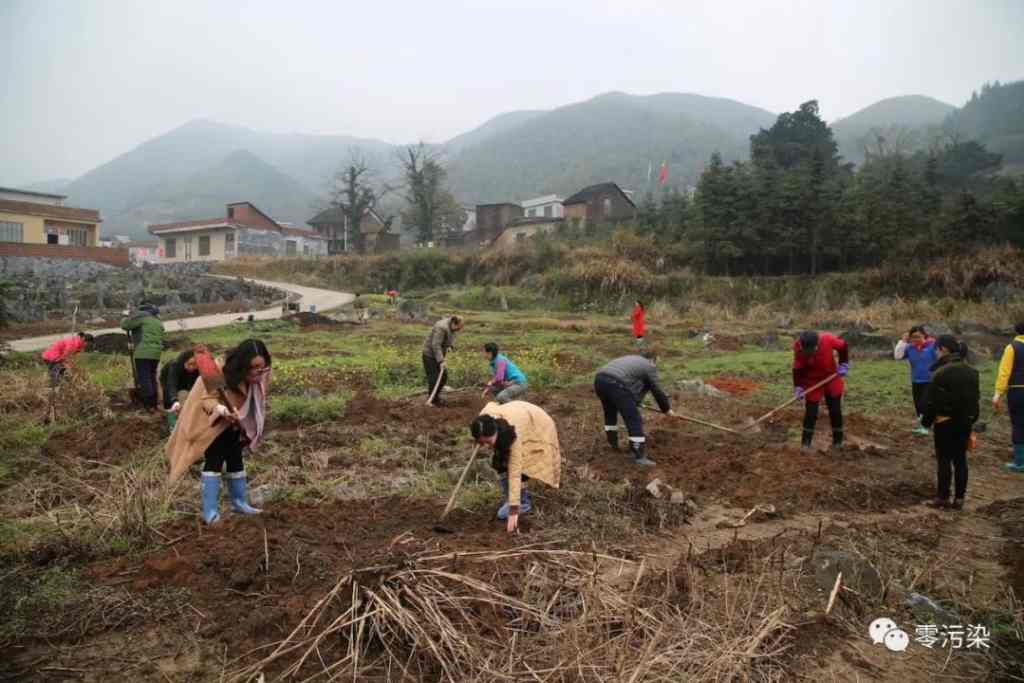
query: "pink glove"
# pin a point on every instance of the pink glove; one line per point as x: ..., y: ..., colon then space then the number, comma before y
x: 798, y: 392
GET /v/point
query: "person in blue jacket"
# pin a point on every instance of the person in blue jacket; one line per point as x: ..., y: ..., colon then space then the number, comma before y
x: 919, y: 350
x: 508, y: 382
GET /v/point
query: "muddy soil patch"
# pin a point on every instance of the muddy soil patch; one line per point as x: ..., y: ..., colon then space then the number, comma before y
x: 111, y: 441
x: 736, y: 386
x: 413, y: 413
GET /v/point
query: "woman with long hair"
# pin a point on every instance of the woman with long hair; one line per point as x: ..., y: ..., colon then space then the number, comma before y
x: 217, y: 425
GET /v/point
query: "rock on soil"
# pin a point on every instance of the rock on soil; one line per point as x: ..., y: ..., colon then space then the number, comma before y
x: 858, y: 574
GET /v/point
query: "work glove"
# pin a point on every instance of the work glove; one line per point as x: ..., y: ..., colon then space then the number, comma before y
x: 798, y: 393
x: 224, y: 411
x: 176, y: 407
x: 843, y: 369
x: 126, y: 312
x: 997, y: 404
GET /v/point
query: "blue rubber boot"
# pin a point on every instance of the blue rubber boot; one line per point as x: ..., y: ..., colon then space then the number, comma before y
x: 1018, y: 460
x: 525, y: 502
x: 211, y: 497
x: 238, y: 490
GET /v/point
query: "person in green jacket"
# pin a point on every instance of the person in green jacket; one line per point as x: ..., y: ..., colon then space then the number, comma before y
x: 147, y: 334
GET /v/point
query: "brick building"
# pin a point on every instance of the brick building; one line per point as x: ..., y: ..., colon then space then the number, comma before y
x: 601, y: 203
x: 491, y: 219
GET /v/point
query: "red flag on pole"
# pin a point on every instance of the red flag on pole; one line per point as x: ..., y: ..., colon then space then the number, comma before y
x: 663, y: 173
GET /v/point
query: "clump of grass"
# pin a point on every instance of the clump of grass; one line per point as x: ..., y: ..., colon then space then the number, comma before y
x: 296, y: 410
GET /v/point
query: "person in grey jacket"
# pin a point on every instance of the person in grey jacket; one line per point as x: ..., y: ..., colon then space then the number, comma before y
x: 435, y: 347
x: 622, y: 385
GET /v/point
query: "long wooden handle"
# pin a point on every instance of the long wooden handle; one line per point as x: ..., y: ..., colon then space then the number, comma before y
x: 437, y: 384
x: 687, y: 418
x: 792, y: 400
x: 458, y: 486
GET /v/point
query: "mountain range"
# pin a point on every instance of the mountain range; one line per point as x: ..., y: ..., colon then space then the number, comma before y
x: 192, y: 171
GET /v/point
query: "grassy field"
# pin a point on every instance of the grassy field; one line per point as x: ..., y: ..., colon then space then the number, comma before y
x: 106, y: 574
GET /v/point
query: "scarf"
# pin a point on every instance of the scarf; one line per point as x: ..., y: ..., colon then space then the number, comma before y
x: 252, y: 414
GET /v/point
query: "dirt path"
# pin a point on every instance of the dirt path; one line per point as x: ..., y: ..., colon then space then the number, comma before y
x: 323, y: 299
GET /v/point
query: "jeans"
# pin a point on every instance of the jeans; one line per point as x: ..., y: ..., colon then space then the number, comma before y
x: 951, y: 457
x: 432, y: 368
x: 510, y: 392
x: 617, y: 400
x: 145, y: 373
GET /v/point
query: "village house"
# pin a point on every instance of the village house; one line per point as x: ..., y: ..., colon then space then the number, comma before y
x: 38, y: 224
x: 548, y: 206
x: 243, y: 231
x: 522, y: 229
x: 373, y: 237
x: 491, y: 219
x: 601, y: 203
x: 142, y: 251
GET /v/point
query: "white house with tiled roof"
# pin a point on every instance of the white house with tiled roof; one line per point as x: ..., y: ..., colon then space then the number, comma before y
x: 244, y: 230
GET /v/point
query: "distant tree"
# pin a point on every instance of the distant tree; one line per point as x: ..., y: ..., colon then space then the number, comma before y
x: 353, y: 192
x: 430, y: 206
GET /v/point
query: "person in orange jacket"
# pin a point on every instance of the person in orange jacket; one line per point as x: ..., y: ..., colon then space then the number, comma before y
x: 58, y: 354
x: 814, y: 360
x: 639, y: 318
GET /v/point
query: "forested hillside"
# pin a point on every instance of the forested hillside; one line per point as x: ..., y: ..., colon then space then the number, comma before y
x: 615, y: 137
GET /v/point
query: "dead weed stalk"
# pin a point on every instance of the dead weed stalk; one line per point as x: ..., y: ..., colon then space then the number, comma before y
x: 531, y: 614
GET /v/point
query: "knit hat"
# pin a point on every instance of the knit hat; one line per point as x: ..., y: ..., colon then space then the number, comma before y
x: 808, y: 342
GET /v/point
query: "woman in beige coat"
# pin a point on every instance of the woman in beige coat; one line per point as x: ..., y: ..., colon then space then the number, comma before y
x: 207, y: 428
x: 525, y: 442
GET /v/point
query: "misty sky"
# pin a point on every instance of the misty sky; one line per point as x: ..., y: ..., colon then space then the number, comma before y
x: 84, y: 81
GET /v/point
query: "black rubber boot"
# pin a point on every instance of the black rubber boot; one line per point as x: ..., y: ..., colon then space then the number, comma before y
x: 805, y: 441
x: 639, y: 455
x: 837, y: 439
x: 613, y: 438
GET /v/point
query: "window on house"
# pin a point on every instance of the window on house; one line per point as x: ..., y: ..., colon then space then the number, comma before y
x: 170, y: 248
x: 607, y: 207
x: 78, y: 237
x: 204, y: 245
x: 289, y: 248
x: 229, y: 243
x: 547, y: 210
x: 231, y: 212
x: 12, y: 232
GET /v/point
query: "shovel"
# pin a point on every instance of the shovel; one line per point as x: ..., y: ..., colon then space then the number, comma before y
x: 437, y: 384
x: 755, y: 423
x: 134, y: 393
x: 451, y: 501
x: 687, y: 418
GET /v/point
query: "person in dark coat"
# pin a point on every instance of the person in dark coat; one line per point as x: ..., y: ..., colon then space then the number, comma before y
x: 814, y: 361
x: 622, y: 385
x: 436, y: 346
x: 951, y: 408
x: 176, y: 379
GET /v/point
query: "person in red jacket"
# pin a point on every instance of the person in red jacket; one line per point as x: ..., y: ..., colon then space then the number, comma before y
x: 814, y: 360
x: 639, y: 318
x: 58, y: 354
